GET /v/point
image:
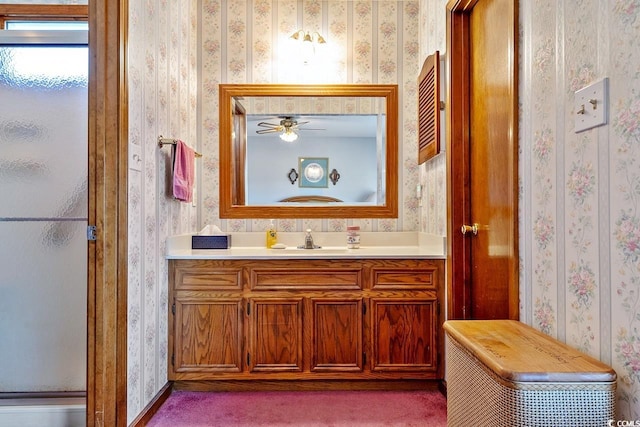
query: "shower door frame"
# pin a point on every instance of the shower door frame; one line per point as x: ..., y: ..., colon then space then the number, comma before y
x: 45, y: 39
x: 107, y: 200
x: 108, y: 257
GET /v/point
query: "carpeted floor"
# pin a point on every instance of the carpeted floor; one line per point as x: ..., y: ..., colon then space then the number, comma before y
x: 303, y: 409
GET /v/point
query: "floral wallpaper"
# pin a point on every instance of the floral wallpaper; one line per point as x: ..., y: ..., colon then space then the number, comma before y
x: 579, y: 217
x: 163, y: 95
x: 579, y: 192
x: 580, y: 238
x: 433, y: 173
x: 178, y: 54
x: 580, y: 235
x: 367, y: 42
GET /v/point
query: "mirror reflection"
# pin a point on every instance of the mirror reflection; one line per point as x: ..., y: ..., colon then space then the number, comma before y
x: 313, y: 146
x: 308, y: 151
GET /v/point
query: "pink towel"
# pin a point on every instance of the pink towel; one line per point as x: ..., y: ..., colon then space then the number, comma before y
x: 183, y: 172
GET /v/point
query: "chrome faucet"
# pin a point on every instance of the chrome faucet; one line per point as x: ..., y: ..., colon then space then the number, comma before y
x: 308, y: 240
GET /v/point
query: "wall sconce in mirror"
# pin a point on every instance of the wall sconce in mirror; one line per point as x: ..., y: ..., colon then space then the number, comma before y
x: 293, y: 176
x: 334, y: 176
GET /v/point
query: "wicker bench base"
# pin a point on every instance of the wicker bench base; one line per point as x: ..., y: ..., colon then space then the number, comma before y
x: 476, y: 396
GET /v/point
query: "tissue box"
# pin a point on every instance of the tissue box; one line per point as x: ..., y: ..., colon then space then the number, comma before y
x: 221, y: 241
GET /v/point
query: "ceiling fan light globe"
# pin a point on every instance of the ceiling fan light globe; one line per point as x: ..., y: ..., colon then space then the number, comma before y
x: 288, y: 136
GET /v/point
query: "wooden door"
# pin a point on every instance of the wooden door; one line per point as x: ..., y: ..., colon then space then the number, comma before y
x: 482, y: 159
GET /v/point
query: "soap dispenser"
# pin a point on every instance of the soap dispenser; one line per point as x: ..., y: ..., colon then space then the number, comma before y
x: 272, y: 235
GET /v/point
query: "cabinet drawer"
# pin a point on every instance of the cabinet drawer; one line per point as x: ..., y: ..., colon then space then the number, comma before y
x: 402, y: 278
x: 305, y: 278
x: 209, y: 278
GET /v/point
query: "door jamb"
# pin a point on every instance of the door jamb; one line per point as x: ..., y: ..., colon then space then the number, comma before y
x: 458, y: 209
x: 458, y: 164
x: 108, y: 257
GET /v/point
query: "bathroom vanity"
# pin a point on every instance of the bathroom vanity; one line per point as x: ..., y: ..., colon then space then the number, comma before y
x: 334, y: 314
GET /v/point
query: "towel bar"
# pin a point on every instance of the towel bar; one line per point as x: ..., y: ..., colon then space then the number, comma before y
x: 164, y: 141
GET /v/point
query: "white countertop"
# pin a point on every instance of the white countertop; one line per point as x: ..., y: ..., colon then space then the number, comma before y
x: 333, y: 245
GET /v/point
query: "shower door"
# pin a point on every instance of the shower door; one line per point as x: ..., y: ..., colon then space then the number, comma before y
x: 43, y: 210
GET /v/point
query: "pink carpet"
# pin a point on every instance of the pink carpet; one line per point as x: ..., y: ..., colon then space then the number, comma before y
x: 304, y: 408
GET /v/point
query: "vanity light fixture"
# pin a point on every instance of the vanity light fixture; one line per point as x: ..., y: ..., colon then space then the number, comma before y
x: 288, y: 135
x: 308, y: 42
x: 303, y: 36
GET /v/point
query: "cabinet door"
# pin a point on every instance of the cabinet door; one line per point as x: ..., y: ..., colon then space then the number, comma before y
x: 208, y: 335
x: 276, y: 335
x: 403, y: 334
x: 337, y: 335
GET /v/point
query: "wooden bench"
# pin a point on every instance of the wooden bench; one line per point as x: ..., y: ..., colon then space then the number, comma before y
x: 505, y: 373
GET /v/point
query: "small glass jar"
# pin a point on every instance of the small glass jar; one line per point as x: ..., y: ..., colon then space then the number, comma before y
x: 353, y: 237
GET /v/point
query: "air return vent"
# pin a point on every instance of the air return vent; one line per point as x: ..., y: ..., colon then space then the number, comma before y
x: 429, y: 108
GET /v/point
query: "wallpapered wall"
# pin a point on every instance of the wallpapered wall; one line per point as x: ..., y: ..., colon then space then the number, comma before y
x: 238, y: 42
x: 163, y: 92
x: 433, y: 178
x: 579, y: 192
x: 580, y: 239
x: 367, y: 42
x: 580, y: 197
x: 580, y: 225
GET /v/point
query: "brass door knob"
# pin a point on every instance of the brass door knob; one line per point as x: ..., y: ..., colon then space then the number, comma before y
x: 469, y: 229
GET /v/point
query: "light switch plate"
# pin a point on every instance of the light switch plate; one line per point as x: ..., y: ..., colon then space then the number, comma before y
x: 135, y: 157
x: 591, y: 105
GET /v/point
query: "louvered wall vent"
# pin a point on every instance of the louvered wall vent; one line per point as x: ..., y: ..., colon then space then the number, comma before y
x: 429, y: 108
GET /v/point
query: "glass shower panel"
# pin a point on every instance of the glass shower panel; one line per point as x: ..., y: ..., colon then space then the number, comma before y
x: 43, y: 131
x: 43, y: 217
x: 43, y: 321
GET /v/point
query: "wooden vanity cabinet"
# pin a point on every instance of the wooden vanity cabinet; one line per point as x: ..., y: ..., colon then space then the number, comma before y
x: 305, y: 319
x: 206, y: 321
x: 405, y: 317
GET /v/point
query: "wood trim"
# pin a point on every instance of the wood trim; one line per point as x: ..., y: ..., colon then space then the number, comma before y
x: 514, y: 284
x: 107, y: 267
x: 458, y: 163
x: 228, y: 210
x: 305, y: 385
x: 239, y: 118
x: 458, y: 251
x: 153, y: 407
x: 42, y: 12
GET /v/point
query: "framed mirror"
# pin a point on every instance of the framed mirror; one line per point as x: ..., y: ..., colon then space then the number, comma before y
x: 308, y: 151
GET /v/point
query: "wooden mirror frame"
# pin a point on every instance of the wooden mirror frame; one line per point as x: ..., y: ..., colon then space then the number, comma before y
x: 232, y: 155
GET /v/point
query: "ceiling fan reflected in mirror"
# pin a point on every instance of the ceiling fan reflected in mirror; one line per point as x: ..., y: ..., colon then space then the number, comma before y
x: 288, y: 127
